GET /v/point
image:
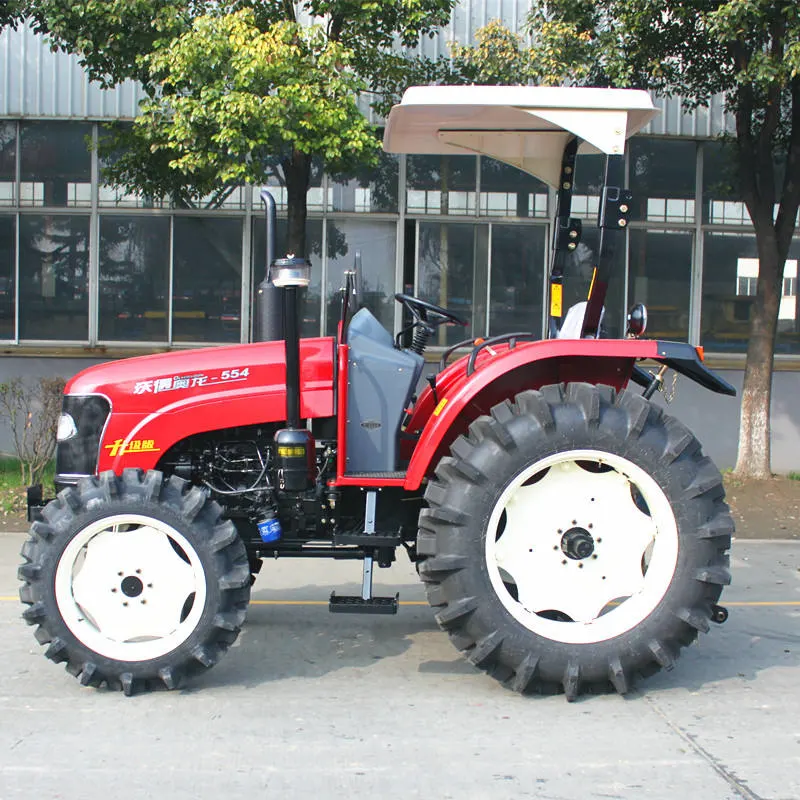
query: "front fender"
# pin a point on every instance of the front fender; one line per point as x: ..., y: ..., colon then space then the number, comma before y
x: 506, y: 371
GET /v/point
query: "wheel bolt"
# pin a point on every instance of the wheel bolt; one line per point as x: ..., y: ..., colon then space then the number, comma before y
x: 580, y: 566
x: 144, y: 602
x: 125, y: 602
x: 150, y: 585
x: 113, y: 590
x: 138, y: 572
x: 564, y: 561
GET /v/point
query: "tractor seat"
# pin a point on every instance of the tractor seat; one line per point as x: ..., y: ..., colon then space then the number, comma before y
x: 573, y: 321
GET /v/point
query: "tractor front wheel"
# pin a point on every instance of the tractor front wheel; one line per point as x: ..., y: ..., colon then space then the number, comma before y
x: 576, y: 539
x: 135, y: 581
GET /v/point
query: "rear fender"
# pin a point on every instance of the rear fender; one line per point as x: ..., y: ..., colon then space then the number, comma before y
x: 505, y: 372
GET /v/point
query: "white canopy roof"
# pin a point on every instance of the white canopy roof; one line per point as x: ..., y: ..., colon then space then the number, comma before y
x: 526, y: 126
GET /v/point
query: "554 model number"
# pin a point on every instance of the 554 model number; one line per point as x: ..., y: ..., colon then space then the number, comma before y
x: 233, y: 374
x: 175, y: 382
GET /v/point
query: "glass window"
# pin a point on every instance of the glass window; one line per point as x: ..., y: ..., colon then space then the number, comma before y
x: 54, y: 277
x: 441, y: 185
x: 660, y: 277
x: 315, y: 197
x: 134, y: 278
x: 310, y: 312
x: 517, y: 278
x: 451, y: 273
x: 8, y: 162
x: 730, y: 270
x: 56, y: 164
x: 590, y: 173
x: 730, y: 276
x: 377, y: 244
x: 722, y: 203
x: 662, y: 179
x: 509, y: 192
x: 7, y: 264
x: 371, y: 189
x: 109, y: 150
x: 207, y: 279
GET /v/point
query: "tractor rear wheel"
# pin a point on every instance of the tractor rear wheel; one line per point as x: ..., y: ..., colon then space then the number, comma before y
x: 134, y: 581
x: 575, y: 539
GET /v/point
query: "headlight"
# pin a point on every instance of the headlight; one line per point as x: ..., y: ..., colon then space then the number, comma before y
x: 80, y: 428
x: 67, y: 429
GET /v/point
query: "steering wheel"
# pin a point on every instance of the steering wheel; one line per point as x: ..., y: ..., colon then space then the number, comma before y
x: 419, y: 309
x: 427, y: 317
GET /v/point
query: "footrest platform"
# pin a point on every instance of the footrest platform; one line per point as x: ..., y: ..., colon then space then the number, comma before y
x: 353, y: 604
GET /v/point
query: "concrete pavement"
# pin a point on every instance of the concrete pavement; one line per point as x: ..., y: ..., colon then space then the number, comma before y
x: 308, y: 704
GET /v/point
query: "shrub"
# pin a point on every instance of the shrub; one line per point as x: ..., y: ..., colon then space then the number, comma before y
x: 31, y: 409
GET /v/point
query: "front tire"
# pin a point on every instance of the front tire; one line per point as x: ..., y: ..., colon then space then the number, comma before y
x: 134, y: 581
x: 576, y: 539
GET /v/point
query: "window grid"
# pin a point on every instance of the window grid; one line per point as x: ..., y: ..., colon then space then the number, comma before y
x: 20, y: 198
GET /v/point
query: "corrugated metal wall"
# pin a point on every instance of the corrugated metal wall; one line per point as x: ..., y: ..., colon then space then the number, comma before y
x: 38, y: 83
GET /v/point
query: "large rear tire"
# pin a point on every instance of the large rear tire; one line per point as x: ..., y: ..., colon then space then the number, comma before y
x: 134, y: 581
x: 574, y: 540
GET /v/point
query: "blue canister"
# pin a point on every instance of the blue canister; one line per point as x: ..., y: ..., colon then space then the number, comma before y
x: 269, y: 529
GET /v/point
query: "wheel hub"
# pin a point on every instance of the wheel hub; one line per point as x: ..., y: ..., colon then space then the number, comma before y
x: 597, y: 572
x: 150, y: 571
x: 577, y: 543
x: 131, y: 586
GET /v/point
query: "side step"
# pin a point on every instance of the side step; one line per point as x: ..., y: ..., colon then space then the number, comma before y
x: 353, y: 604
x: 366, y: 603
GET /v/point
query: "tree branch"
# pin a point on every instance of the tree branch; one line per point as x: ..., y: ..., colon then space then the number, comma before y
x: 335, y: 28
x: 790, y: 194
x: 772, y: 120
x: 288, y: 9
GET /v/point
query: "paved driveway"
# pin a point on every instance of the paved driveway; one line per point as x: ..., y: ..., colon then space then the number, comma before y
x: 313, y: 705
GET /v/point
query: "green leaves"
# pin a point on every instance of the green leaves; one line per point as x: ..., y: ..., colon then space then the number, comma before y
x: 228, y: 97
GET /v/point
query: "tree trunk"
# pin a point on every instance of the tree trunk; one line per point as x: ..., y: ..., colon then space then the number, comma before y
x: 753, y: 458
x: 297, y: 174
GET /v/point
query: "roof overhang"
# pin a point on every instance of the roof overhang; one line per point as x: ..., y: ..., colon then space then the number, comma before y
x: 526, y: 126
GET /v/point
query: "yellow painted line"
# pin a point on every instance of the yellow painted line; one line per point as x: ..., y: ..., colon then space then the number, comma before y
x: 736, y: 604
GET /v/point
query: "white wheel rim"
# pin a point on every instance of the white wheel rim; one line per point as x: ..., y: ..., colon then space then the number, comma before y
x: 123, y: 589
x: 633, y: 553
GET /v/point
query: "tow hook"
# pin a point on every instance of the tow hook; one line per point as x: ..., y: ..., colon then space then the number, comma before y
x: 719, y: 614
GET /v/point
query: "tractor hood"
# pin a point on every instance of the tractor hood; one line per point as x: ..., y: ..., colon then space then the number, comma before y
x: 172, y: 380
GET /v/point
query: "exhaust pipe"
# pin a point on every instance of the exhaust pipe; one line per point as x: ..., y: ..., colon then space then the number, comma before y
x: 269, y: 308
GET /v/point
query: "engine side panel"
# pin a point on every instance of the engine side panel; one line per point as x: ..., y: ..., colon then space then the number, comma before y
x: 157, y: 401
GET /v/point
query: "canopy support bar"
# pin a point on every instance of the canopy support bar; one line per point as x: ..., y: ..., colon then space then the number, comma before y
x: 566, y: 235
x: 615, y: 205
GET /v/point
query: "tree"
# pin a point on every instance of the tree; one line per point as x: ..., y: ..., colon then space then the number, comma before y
x: 238, y: 88
x: 750, y: 51
x: 11, y: 12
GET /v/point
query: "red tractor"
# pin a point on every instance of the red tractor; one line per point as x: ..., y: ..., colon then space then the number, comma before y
x: 571, y: 537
